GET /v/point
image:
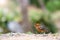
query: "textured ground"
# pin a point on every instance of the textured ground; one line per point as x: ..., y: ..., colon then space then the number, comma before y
x: 19, y: 36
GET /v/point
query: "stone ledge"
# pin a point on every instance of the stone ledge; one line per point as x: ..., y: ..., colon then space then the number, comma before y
x: 22, y: 36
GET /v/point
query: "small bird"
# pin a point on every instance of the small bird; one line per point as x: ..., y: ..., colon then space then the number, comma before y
x: 41, y: 28
x: 14, y: 26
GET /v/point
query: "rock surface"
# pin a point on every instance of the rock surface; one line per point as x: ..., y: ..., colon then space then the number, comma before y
x: 22, y: 36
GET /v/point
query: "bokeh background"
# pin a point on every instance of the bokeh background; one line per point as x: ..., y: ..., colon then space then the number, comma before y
x: 10, y: 12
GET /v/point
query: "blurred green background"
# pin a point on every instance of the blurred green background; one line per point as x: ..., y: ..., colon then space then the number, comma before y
x: 11, y: 11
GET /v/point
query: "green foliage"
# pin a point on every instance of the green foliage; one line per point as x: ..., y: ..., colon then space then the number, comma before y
x: 4, y: 18
x: 1, y: 13
x: 50, y: 25
x: 35, y: 2
x: 34, y: 15
x: 46, y: 19
x: 53, y: 5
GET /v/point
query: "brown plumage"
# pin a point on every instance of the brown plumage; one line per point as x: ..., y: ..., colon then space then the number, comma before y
x: 40, y: 27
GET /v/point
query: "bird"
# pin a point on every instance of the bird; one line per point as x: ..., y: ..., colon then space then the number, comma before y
x: 41, y: 28
x: 15, y: 27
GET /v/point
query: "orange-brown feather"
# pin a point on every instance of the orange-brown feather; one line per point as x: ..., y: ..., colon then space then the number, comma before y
x: 37, y: 26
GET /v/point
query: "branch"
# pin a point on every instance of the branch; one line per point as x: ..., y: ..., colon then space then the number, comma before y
x: 43, y: 6
x: 26, y: 24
